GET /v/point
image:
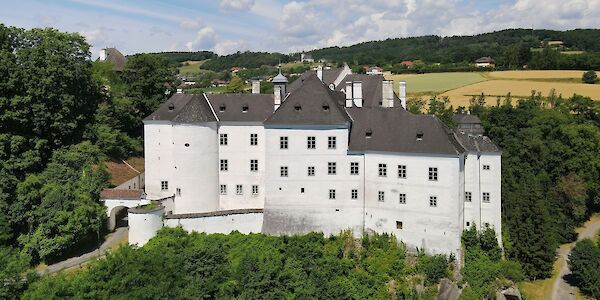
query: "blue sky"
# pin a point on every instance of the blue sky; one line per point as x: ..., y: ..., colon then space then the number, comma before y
x: 226, y: 26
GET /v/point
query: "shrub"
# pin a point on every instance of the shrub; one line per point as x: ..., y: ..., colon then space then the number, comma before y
x: 589, y: 77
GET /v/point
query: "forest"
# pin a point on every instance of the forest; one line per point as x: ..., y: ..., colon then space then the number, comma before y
x: 61, y: 115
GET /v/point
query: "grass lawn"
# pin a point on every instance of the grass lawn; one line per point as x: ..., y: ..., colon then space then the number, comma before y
x: 436, y: 82
x: 192, y: 67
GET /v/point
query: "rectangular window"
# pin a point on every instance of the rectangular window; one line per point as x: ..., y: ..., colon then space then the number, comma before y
x: 486, y: 197
x: 433, y: 201
x: 164, y: 185
x: 331, y: 142
x: 433, y: 174
x: 223, y: 139
x: 486, y: 167
x: 253, y: 139
x: 301, y: 190
x: 331, y: 168
x: 223, y: 189
x: 468, y: 197
x: 283, y: 171
x: 354, y: 195
x: 283, y: 142
x: 468, y: 224
x: 178, y: 191
x: 239, y: 189
x: 381, y: 196
x: 382, y: 170
x: 398, y: 224
x: 354, y: 168
x: 224, y: 165
x: 332, y: 194
x: 311, y: 142
x: 311, y: 171
x: 402, y: 198
x: 254, y: 165
x: 255, y: 190
x: 402, y: 171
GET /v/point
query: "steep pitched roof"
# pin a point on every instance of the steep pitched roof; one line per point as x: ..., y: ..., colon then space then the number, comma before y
x: 476, y: 143
x: 242, y: 107
x: 372, y: 90
x: 116, y: 58
x: 184, y: 108
x: 397, y: 130
x: 121, y: 194
x: 311, y: 104
x: 329, y: 77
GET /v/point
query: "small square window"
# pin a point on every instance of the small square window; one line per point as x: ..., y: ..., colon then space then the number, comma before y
x: 382, y: 170
x: 433, y: 201
x: 223, y: 189
x: 253, y: 139
x: 224, y: 165
x: 311, y: 171
x: 354, y: 168
x: 331, y: 142
x: 468, y: 197
x: 311, y: 142
x: 178, y: 191
x: 402, y: 198
x: 301, y: 190
x: 164, y: 185
x: 331, y: 168
x: 331, y: 194
x: 254, y: 165
x: 381, y: 196
x: 398, y: 224
x: 223, y: 139
x: 283, y: 142
x: 354, y: 194
x: 239, y: 190
x: 486, y: 198
x: 468, y: 224
x: 283, y: 171
x: 255, y: 190
x: 433, y: 174
x: 486, y: 167
x: 402, y: 171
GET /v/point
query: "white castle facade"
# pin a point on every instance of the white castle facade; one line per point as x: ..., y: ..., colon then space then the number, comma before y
x: 329, y: 152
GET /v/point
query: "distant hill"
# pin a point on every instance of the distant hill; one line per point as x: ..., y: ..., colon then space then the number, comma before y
x: 177, y: 57
x: 245, y: 60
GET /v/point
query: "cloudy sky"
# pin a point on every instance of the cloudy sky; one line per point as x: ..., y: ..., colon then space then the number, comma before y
x: 226, y: 26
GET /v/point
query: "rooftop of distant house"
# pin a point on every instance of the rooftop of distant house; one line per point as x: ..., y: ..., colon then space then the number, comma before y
x: 121, y: 171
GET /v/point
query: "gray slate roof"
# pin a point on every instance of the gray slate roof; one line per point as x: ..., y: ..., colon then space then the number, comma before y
x: 259, y: 106
x: 184, y: 108
x: 395, y: 130
x: 312, y: 104
x: 329, y: 77
x: 371, y: 89
x: 116, y: 58
x: 466, y: 119
x: 476, y: 143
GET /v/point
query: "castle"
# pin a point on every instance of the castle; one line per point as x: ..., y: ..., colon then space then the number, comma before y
x: 330, y: 151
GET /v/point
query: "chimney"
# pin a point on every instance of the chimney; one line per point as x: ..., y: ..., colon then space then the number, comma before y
x: 402, y: 93
x: 320, y: 72
x: 277, y: 96
x: 357, y: 93
x: 102, y: 55
x: 348, y: 93
x: 388, y: 93
x: 255, y: 87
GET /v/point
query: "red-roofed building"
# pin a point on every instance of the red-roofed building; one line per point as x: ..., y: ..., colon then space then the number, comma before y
x: 407, y: 63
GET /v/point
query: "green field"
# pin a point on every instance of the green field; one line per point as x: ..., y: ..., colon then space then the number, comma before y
x: 436, y: 82
x: 192, y: 67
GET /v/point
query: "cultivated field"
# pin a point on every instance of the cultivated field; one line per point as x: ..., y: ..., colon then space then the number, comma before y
x: 436, y: 82
x: 535, y: 74
x: 192, y: 67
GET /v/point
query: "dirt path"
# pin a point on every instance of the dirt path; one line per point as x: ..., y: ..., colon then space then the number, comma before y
x: 114, y: 239
x: 561, y: 289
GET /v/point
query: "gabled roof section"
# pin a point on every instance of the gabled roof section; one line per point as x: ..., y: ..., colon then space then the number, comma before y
x: 397, y: 130
x: 372, y: 90
x: 311, y: 104
x: 242, y: 107
x: 476, y: 143
x: 329, y: 77
x: 117, y: 59
x: 184, y: 108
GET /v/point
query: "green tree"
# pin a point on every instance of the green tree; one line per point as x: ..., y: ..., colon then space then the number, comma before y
x: 589, y: 77
x: 236, y: 85
x: 584, y: 262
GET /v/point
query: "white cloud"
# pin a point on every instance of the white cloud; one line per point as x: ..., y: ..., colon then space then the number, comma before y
x: 236, y: 4
x: 192, y: 23
x: 205, y: 39
x: 229, y: 46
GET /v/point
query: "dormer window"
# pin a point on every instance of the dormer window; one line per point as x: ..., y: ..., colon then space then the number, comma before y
x: 222, y: 108
x: 326, y: 107
x: 419, y: 136
x: 369, y: 133
x: 171, y: 106
x: 297, y: 107
x: 245, y: 108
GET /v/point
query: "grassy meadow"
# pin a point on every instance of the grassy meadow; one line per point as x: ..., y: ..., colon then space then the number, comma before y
x: 461, y: 86
x: 191, y: 67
